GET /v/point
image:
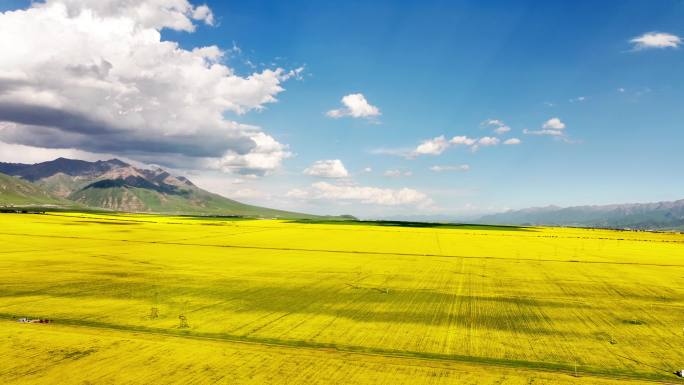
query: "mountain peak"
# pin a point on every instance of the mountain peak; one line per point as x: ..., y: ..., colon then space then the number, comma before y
x: 117, y: 162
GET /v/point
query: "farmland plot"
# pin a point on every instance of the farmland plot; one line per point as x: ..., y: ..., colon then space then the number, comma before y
x: 352, y: 303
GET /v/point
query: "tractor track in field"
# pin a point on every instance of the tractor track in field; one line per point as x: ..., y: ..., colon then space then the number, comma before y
x: 433, y: 360
x: 384, y: 253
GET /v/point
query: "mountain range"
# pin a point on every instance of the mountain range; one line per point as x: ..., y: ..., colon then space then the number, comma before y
x: 646, y: 216
x: 118, y: 186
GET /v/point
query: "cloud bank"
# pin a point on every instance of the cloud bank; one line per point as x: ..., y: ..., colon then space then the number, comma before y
x: 362, y: 194
x: 96, y: 76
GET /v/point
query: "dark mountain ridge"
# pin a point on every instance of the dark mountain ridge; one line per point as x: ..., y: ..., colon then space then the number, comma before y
x: 73, y: 167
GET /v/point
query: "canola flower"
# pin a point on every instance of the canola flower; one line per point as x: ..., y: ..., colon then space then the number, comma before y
x: 267, y: 301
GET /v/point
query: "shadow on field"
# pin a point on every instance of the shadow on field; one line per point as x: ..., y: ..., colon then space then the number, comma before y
x: 222, y: 297
x: 456, y: 226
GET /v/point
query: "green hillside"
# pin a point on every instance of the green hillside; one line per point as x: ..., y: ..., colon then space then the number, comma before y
x: 17, y: 192
x: 182, y: 201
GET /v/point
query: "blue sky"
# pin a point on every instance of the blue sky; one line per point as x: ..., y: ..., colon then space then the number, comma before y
x: 437, y: 68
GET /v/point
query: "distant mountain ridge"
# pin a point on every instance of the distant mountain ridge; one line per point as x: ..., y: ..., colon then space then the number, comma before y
x: 657, y: 215
x: 117, y: 185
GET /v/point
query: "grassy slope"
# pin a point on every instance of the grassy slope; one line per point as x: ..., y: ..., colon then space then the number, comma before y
x: 538, y: 300
x: 17, y: 192
x: 196, y: 202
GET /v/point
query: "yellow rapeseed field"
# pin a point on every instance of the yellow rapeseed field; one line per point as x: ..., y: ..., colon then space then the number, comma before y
x: 145, y: 299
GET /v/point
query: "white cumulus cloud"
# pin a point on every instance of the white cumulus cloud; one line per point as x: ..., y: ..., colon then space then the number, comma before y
x: 553, y: 124
x: 462, y: 140
x: 96, y: 76
x: 552, y: 127
x: 497, y: 125
x: 327, y: 169
x: 266, y: 155
x: 394, y: 173
x: 155, y: 14
x: 434, y: 146
x: 248, y: 193
x: 652, y: 40
x: 486, y: 141
x: 355, y: 106
x: 459, y: 167
x: 512, y: 141
x: 439, y: 144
